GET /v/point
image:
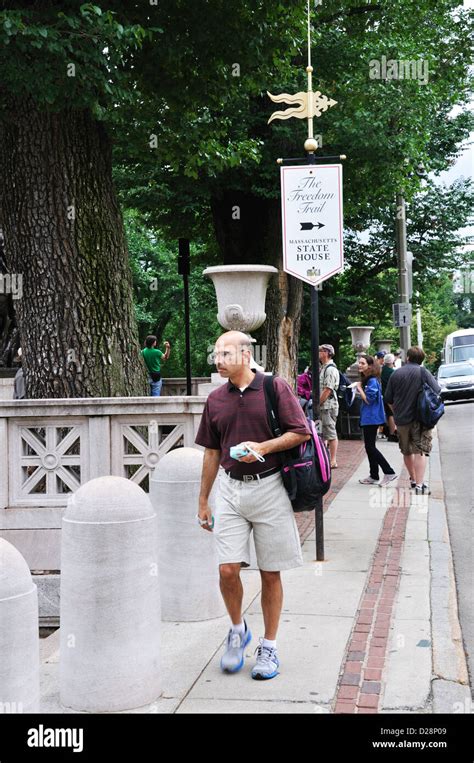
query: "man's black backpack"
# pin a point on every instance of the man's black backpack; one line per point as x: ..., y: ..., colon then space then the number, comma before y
x: 306, y: 469
x: 342, y: 398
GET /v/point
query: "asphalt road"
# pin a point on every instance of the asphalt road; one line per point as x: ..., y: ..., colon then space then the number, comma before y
x: 456, y: 436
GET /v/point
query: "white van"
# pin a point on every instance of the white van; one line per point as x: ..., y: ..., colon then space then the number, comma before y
x: 458, y: 346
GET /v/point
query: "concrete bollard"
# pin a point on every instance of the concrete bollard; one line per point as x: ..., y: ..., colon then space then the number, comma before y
x: 19, y: 634
x: 110, y: 598
x: 189, y: 569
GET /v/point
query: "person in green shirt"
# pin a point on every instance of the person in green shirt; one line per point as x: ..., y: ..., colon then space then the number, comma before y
x: 153, y: 358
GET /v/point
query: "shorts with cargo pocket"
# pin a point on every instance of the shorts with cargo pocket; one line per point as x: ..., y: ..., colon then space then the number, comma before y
x: 262, y: 505
x: 414, y: 439
x: 328, y: 422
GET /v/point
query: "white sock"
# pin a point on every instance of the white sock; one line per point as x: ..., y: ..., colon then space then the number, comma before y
x: 269, y: 644
x: 240, y: 628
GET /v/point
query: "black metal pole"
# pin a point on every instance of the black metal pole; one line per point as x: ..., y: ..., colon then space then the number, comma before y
x: 315, y: 352
x: 318, y: 519
x: 184, y: 268
x: 319, y: 524
x: 188, y: 337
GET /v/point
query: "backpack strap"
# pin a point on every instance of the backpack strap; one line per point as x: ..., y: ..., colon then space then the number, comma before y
x: 289, y: 478
x: 324, y: 376
x: 272, y: 405
x: 422, y: 380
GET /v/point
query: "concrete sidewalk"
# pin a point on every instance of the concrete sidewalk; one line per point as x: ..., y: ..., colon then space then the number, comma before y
x: 373, y: 628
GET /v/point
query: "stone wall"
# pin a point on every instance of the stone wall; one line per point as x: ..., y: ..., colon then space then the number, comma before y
x: 49, y: 448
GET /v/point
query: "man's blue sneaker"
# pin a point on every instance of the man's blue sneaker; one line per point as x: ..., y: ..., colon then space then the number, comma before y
x: 267, y: 663
x: 233, y: 658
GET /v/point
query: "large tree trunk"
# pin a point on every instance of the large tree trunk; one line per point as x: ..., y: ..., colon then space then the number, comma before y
x: 248, y: 231
x: 64, y: 235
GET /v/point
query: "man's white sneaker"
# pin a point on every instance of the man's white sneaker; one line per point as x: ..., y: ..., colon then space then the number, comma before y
x: 369, y: 481
x: 267, y: 663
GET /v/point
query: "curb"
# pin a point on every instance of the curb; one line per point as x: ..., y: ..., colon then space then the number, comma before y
x: 450, y: 682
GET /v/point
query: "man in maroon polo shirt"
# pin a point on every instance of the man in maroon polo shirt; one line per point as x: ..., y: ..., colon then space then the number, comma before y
x: 251, y: 494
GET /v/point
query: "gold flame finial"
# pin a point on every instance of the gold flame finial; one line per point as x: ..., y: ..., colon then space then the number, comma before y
x: 304, y: 105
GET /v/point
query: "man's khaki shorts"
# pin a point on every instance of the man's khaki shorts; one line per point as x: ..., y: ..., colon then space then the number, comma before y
x: 414, y: 439
x: 328, y: 422
x: 264, y: 507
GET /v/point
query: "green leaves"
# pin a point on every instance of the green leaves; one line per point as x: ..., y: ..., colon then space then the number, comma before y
x: 199, y: 84
x: 159, y: 300
x: 43, y: 44
x: 364, y: 293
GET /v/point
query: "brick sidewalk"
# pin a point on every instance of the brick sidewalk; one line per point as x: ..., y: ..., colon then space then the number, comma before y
x: 350, y: 453
x: 359, y: 685
x: 360, y: 679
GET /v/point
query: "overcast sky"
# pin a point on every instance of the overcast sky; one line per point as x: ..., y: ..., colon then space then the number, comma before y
x: 464, y: 166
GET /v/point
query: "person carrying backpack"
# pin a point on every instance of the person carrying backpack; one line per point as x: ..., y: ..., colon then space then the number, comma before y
x: 414, y: 436
x: 328, y: 385
x: 236, y: 434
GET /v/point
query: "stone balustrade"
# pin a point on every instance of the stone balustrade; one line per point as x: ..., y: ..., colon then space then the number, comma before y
x: 48, y: 448
x: 172, y: 386
x: 176, y: 386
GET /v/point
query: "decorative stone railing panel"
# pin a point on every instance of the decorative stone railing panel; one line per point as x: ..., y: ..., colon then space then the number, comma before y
x: 48, y: 448
x: 138, y: 445
x: 47, y: 460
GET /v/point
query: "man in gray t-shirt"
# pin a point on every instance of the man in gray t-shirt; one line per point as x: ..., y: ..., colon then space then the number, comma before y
x: 401, y: 395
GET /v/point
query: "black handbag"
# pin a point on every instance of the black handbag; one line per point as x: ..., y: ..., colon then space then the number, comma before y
x: 306, y: 469
x: 155, y: 376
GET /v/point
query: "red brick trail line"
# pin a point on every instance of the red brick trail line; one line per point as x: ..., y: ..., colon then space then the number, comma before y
x: 359, y: 685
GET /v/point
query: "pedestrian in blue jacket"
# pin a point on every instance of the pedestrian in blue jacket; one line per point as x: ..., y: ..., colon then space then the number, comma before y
x: 372, y: 415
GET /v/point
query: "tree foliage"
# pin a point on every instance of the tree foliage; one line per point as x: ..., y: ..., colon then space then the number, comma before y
x: 159, y: 298
x: 181, y: 89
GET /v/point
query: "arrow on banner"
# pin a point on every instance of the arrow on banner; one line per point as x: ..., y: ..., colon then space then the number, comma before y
x: 310, y: 226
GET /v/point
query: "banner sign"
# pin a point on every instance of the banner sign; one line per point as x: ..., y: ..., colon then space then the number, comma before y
x: 311, y: 208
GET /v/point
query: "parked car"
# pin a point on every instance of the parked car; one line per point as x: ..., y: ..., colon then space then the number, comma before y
x: 456, y: 380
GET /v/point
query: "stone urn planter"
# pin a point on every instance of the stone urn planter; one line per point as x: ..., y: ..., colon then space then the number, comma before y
x: 360, y: 336
x: 361, y: 342
x: 241, y: 291
x: 383, y: 344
